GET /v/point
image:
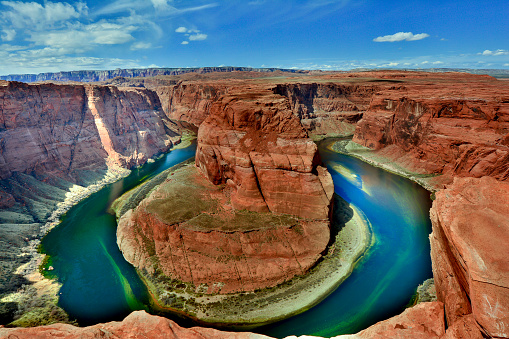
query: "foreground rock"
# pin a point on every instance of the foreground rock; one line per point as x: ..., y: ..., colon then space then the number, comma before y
x: 138, y: 324
x: 469, y: 247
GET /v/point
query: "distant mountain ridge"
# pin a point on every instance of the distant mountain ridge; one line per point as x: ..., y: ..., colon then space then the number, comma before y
x: 94, y: 76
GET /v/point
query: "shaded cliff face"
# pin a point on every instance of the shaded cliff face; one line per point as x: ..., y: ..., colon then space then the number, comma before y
x: 469, y: 252
x: 328, y: 108
x: 457, y: 126
x: 63, y: 128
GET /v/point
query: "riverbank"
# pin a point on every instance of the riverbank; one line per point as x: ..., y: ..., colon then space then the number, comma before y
x: 348, y: 147
x: 37, y: 299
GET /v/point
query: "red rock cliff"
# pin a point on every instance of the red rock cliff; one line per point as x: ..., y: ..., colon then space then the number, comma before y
x: 253, y: 142
x: 61, y: 128
x: 469, y: 247
x: 457, y: 125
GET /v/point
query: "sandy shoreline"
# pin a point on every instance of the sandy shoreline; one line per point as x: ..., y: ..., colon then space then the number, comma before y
x: 350, y: 148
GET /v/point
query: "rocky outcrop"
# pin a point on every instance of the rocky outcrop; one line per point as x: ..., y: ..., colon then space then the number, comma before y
x: 187, y: 231
x: 457, y: 126
x: 469, y: 253
x: 253, y: 143
x: 138, y: 324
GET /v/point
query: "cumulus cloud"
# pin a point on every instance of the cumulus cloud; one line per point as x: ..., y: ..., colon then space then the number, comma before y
x: 191, y: 34
x: 401, y: 36
x: 495, y: 53
x: 198, y: 37
x: 140, y: 45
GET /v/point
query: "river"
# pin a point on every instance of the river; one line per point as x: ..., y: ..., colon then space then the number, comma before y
x: 98, y: 285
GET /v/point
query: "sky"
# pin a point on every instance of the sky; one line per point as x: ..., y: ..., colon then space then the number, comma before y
x: 52, y: 36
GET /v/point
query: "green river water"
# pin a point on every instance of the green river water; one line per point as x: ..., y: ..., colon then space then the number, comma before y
x: 98, y: 285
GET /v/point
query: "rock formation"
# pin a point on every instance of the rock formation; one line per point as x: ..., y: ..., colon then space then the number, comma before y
x: 469, y: 253
x: 138, y: 324
x: 456, y: 126
x: 187, y: 230
x: 256, y: 149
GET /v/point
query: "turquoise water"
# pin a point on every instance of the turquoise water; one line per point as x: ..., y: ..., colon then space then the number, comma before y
x: 384, y: 281
x: 99, y: 285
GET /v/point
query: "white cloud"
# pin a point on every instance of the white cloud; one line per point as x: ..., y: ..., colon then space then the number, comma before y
x: 198, y: 37
x: 80, y: 38
x: 495, y: 53
x: 8, y: 34
x: 162, y: 7
x: 401, y: 36
x: 140, y: 45
x: 181, y: 29
x: 184, y: 43
x: 33, y: 15
x: 437, y: 62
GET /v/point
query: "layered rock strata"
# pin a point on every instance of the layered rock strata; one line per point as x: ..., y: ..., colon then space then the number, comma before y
x: 253, y: 143
x: 457, y: 126
x: 469, y: 247
x: 57, y: 140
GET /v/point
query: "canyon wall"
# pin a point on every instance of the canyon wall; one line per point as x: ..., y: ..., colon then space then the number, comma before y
x: 60, y: 138
x: 458, y: 126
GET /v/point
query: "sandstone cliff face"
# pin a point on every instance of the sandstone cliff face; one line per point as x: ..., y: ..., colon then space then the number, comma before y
x: 61, y: 128
x: 469, y: 253
x: 252, y: 142
x: 449, y: 128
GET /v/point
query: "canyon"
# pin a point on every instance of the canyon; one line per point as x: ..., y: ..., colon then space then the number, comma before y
x: 255, y: 134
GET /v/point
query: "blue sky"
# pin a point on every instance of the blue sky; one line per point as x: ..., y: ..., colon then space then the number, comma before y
x: 49, y: 36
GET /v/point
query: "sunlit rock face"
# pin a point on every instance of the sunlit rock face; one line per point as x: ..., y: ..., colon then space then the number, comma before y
x: 469, y: 252
x: 455, y: 125
x: 254, y: 143
x: 63, y: 128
